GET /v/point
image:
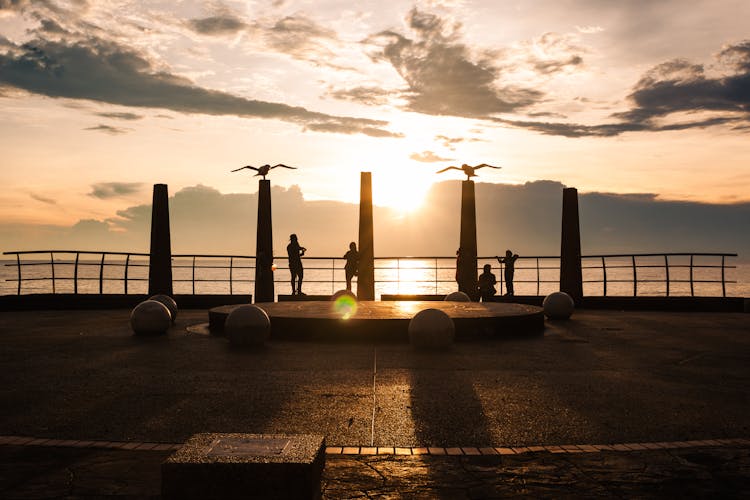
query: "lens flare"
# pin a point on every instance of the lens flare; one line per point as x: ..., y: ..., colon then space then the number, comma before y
x: 345, y: 306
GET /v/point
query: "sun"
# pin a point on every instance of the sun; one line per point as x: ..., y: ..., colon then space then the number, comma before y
x: 404, y: 190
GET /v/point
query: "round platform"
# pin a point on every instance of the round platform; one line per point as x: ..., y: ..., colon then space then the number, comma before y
x: 316, y: 320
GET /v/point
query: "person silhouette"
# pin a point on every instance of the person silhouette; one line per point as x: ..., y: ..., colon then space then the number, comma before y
x: 487, y: 284
x: 510, y: 262
x: 351, y: 268
x: 295, y: 252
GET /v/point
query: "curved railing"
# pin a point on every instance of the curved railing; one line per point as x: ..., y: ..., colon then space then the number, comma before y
x: 96, y: 271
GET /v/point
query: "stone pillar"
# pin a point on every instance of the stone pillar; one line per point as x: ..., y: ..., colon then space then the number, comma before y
x: 160, y: 256
x: 467, y: 265
x: 264, y: 245
x: 366, y: 276
x: 571, y: 279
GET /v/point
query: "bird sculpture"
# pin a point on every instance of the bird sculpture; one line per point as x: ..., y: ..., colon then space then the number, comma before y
x: 467, y: 169
x: 263, y: 169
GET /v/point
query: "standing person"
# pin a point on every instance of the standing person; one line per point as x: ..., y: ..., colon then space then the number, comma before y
x: 487, y: 284
x: 459, y: 260
x: 510, y: 262
x: 295, y: 252
x: 352, y: 264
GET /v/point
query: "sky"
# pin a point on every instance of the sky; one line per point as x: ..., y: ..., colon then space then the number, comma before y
x: 629, y: 100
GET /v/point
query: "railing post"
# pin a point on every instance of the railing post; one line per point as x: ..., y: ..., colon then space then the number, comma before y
x: 101, y: 274
x: 52, y: 264
x: 193, y: 280
x: 723, y: 282
x: 500, y: 264
x: 18, y: 265
x: 436, y: 275
x: 692, y: 291
x: 635, y: 277
x: 604, y: 275
x: 125, y: 280
x: 75, y: 274
x: 398, y: 275
x: 666, y: 269
x: 231, y: 263
x: 537, y: 277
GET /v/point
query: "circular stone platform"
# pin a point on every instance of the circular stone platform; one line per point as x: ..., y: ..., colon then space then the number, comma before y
x: 389, y: 320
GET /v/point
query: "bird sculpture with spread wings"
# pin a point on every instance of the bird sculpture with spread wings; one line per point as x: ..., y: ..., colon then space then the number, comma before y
x: 263, y: 169
x: 467, y: 169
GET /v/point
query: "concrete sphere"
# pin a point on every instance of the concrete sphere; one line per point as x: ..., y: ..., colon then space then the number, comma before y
x: 431, y: 329
x: 149, y: 318
x: 558, y: 305
x: 457, y: 297
x: 169, y: 302
x: 343, y: 293
x: 247, y: 325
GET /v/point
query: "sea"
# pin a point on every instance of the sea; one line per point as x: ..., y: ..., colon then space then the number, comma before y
x: 393, y: 275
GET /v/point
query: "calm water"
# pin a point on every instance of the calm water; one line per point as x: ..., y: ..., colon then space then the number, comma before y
x: 425, y: 276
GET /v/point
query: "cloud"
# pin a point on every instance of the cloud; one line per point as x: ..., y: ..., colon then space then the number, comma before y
x: 108, y: 129
x: 121, y: 116
x: 442, y: 75
x: 43, y: 199
x: 302, y: 38
x: 676, y: 87
x: 105, y: 71
x: 108, y: 190
x: 222, y: 24
x: 449, y: 142
x: 13, y: 4
x: 428, y: 157
x: 370, y: 96
x: 530, y: 225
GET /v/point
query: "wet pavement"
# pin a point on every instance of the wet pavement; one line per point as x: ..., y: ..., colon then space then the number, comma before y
x: 602, y: 377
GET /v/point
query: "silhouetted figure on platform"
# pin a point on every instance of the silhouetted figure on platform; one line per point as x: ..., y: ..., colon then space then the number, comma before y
x: 263, y: 169
x: 295, y: 253
x: 510, y: 267
x: 487, y: 283
x: 351, y: 268
x: 467, y: 169
x: 459, y: 259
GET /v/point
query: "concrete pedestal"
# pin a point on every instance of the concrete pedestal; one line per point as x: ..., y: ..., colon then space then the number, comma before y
x: 366, y: 276
x: 227, y: 466
x: 467, y: 263
x: 160, y: 256
x: 264, y: 245
x: 571, y: 280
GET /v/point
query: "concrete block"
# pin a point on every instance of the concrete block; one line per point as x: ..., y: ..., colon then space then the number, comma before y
x: 226, y: 466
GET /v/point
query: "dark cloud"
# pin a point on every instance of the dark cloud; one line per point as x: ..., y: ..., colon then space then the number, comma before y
x: 101, y: 70
x: 121, y: 116
x: 673, y: 87
x: 107, y: 190
x: 370, y: 96
x: 109, y: 129
x: 43, y: 199
x: 530, y: 225
x: 443, y: 76
x: 13, y: 4
x: 302, y: 38
x: 223, y: 24
x: 428, y: 157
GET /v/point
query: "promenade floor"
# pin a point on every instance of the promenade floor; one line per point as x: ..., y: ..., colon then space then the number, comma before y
x: 604, y: 377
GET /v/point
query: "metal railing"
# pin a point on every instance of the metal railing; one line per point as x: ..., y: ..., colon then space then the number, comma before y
x: 392, y: 274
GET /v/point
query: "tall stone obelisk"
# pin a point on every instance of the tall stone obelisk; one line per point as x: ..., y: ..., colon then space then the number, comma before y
x: 264, y: 245
x: 467, y: 262
x: 366, y: 276
x: 160, y: 255
x: 571, y: 279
